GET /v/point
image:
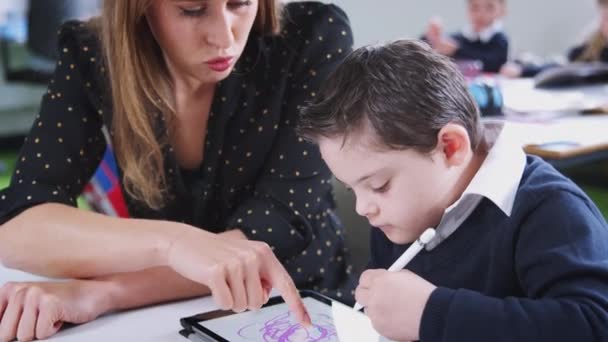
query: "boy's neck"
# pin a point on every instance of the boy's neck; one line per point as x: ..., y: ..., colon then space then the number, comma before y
x: 489, y: 136
x: 467, y: 174
x: 489, y: 133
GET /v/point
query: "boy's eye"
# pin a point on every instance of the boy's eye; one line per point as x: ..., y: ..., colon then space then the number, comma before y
x: 382, y: 189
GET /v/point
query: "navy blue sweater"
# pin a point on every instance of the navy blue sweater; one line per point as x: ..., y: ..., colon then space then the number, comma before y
x: 539, y: 275
x: 493, y: 53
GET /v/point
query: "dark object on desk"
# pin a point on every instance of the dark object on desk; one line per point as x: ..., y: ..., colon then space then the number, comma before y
x: 571, y: 75
x: 487, y: 96
x: 44, y: 19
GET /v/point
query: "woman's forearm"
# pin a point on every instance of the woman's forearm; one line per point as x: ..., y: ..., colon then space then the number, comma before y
x: 59, y: 241
x: 147, y: 287
x: 153, y: 286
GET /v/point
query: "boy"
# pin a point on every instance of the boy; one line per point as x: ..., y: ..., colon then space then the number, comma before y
x: 482, y: 39
x: 521, y: 253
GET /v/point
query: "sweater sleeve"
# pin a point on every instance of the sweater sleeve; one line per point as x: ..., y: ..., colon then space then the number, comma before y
x: 562, y: 264
x: 492, y: 54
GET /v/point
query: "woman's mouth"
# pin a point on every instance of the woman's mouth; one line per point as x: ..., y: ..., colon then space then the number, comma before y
x: 219, y: 64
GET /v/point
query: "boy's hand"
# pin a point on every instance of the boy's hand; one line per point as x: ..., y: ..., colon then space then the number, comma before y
x: 394, y: 301
x: 446, y: 46
x: 511, y: 70
x: 434, y: 31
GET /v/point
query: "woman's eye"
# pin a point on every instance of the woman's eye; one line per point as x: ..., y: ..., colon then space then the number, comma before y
x: 193, y: 11
x: 239, y: 4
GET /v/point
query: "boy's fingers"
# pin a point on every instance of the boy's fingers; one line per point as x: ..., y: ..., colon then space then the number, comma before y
x: 367, y: 278
x: 362, y: 295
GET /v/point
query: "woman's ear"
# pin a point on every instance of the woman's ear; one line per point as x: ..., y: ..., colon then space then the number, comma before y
x: 454, y: 145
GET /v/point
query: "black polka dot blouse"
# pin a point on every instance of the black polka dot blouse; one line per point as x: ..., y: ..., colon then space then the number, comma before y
x: 257, y: 175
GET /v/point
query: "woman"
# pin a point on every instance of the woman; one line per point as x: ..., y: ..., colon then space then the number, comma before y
x: 199, y: 99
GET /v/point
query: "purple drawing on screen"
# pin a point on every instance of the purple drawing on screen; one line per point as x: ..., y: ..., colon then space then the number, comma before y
x: 283, y: 328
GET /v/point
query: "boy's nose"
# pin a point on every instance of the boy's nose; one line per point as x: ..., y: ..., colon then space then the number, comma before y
x: 366, y: 208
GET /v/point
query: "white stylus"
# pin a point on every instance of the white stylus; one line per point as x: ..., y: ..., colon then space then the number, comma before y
x: 408, y: 255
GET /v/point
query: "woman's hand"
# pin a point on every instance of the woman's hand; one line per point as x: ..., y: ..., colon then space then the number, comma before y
x: 239, y: 273
x: 37, y: 310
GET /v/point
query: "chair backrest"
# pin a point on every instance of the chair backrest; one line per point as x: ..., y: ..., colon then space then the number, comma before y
x: 43, y: 20
x: 45, y: 17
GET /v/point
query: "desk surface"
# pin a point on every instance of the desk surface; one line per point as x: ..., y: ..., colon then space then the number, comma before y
x: 566, y: 140
x: 158, y: 323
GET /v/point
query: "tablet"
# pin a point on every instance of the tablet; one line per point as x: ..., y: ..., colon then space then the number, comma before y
x: 273, y: 322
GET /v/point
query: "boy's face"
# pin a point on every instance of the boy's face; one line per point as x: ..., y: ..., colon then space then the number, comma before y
x: 483, y: 13
x: 401, y: 192
x: 604, y: 21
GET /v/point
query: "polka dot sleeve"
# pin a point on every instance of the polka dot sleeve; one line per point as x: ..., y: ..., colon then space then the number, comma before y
x: 291, y: 197
x: 65, y: 143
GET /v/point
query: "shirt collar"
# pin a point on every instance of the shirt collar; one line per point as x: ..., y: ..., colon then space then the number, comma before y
x: 497, y: 180
x: 485, y: 35
x: 500, y: 173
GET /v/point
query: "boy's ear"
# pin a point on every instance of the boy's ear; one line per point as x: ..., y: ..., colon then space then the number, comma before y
x: 503, y: 8
x: 454, y: 144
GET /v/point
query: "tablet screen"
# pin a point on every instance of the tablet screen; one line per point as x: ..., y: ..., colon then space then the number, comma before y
x: 275, y: 323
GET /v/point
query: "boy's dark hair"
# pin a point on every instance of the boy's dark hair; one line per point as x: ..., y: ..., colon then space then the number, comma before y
x: 403, y: 90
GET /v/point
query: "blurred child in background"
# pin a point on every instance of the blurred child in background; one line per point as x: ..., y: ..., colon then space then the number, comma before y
x: 594, y: 49
x: 481, y: 40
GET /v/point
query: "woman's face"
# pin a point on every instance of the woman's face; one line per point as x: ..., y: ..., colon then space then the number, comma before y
x: 201, y: 39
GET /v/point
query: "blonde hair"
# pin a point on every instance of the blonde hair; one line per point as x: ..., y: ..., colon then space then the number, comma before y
x: 595, y: 44
x: 141, y: 91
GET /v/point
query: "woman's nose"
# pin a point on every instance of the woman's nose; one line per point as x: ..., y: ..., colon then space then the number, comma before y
x: 219, y: 31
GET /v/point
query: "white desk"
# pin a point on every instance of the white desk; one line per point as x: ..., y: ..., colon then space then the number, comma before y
x: 158, y: 323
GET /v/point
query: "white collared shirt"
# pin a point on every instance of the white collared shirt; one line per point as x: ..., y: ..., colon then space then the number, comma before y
x: 497, y: 180
x: 485, y: 35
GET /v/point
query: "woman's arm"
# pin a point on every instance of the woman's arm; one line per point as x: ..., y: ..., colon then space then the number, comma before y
x: 56, y: 240
x: 133, y: 290
x: 67, y: 242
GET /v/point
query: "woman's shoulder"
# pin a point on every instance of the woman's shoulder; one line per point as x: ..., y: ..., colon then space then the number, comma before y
x: 307, y: 11
x: 83, y: 35
x: 308, y: 20
x: 79, y: 41
x: 79, y: 45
